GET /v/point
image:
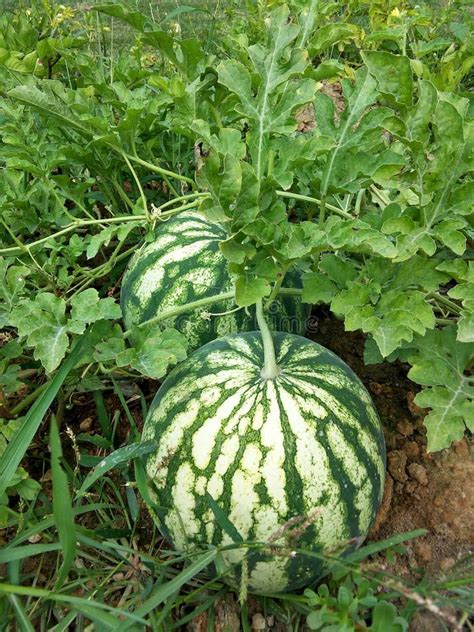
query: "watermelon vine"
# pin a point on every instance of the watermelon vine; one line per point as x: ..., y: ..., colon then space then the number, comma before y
x: 270, y: 369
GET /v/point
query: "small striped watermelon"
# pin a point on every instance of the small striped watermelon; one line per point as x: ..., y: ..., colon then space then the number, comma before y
x: 183, y: 265
x: 307, y: 443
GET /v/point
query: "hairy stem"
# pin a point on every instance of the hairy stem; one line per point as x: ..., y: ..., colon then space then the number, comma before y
x: 189, y: 196
x: 322, y: 211
x: 276, y: 289
x: 157, y: 214
x: 139, y: 185
x: 307, y: 198
x: 202, y: 302
x: 446, y: 302
x: 161, y: 171
x: 382, y: 198
x: 26, y: 248
x: 444, y: 321
x: 270, y: 370
x: 181, y: 309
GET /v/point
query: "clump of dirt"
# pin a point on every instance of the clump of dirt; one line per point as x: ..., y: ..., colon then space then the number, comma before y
x: 424, y: 490
x: 306, y: 116
x: 305, y: 119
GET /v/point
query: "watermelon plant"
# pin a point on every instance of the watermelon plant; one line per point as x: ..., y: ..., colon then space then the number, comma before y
x: 265, y: 438
x: 346, y: 186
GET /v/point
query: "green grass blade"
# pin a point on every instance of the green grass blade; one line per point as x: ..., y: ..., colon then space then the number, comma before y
x: 141, y: 481
x: 62, y: 507
x: 48, y: 522
x: 71, y: 600
x: 65, y: 622
x: 222, y: 519
x: 107, y: 621
x: 206, y: 605
x: 244, y: 617
x: 17, y: 447
x: 376, y: 547
x: 22, y: 552
x: 171, y: 587
x: 117, y: 457
x: 21, y: 616
x: 131, y: 420
x: 181, y: 10
x: 102, y: 416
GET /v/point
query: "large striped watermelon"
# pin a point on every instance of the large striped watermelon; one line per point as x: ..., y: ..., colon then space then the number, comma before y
x: 307, y: 443
x: 184, y: 264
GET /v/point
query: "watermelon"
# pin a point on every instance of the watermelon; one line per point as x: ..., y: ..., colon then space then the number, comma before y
x: 184, y: 264
x: 305, y: 447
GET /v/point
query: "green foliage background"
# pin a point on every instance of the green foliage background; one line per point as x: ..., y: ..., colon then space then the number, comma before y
x: 111, y: 121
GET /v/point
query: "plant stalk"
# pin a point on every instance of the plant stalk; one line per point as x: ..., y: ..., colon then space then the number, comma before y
x: 446, y: 302
x: 382, y: 198
x: 202, y: 302
x: 180, y: 309
x: 26, y: 248
x: 322, y: 211
x: 270, y: 370
x: 276, y: 289
x: 161, y: 171
x: 307, y: 198
x: 444, y: 321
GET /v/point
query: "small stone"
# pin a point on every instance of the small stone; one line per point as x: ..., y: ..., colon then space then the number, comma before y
x: 405, y: 428
x: 423, y: 551
x: 439, y: 501
x: 418, y: 472
x: 397, y: 461
x: 35, y: 538
x: 450, y: 516
x: 86, y: 424
x: 411, y: 449
x: 258, y: 622
x: 447, y: 563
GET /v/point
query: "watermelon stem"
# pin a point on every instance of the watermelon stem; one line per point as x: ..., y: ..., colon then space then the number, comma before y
x: 270, y: 370
x: 307, y: 198
x: 202, y: 302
